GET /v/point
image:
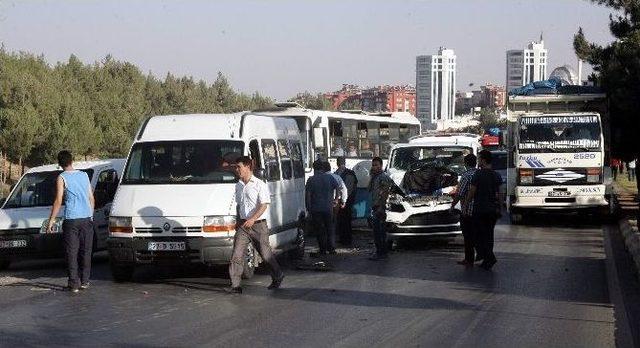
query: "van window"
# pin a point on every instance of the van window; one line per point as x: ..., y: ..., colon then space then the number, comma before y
x: 254, y: 152
x: 105, y: 187
x: 271, y: 165
x: 285, y: 159
x: 182, y: 162
x: 36, y: 190
x: 296, y: 157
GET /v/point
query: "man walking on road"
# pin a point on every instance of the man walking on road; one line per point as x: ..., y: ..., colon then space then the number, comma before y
x: 631, y: 171
x: 485, y: 198
x: 348, y: 176
x: 73, y: 186
x: 319, y: 198
x: 252, y: 197
x: 466, y: 223
x: 379, y: 187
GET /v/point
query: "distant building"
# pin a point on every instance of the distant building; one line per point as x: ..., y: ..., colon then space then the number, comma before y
x: 347, y: 94
x: 493, y: 96
x: 464, y: 103
x: 566, y: 74
x: 435, y: 87
x: 527, y: 65
x: 389, y: 98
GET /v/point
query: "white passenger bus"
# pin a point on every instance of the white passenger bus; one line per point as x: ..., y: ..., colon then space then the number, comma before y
x: 358, y: 136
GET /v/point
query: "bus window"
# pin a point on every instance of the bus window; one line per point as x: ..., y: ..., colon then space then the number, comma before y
x: 385, y: 143
x: 364, y: 145
x: 404, y: 133
x: 394, y: 133
x: 335, y: 138
x: 350, y: 138
x: 373, y: 134
x: 254, y: 152
x: 271, y: 165
x: 296, y: 158
x: 414, y: 130
x: 285, y: 159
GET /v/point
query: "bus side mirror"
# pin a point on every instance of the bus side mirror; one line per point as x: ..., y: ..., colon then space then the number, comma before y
x: 318, y: 138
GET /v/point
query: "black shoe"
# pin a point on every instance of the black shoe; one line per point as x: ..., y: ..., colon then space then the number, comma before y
x: 233, y: 290
x: 275, y: 284
x: 486, y: 265
x: 84, y: 286
x: 72, y: 289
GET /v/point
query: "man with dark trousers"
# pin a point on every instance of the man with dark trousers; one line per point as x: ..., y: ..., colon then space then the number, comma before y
x: 484, y: 195
x: 73, y: 186
x: 466, y: 222
x: 252, y: 197
x: 319, y: 198
x: 379, y: 187
x: 345, y: 214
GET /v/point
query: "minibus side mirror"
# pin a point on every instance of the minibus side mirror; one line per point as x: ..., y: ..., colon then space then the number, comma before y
x: 318, y: 138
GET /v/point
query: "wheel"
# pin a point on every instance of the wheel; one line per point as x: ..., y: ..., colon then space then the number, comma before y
x: 4, y: 264
x: 250, y: 263
x: 517, y: 218
x: 122, y: 273
x: 297, y: 252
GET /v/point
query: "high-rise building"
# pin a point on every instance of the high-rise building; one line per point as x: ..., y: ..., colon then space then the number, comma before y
x: 436, y: 87
x: 527, y: 65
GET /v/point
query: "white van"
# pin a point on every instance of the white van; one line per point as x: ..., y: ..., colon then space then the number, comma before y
x: 176, y: 200
x: 439, y: 160
x: 25, y: 213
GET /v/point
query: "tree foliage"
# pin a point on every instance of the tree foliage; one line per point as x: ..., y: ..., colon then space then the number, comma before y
x: 617, y: 69
x: 94, y: 109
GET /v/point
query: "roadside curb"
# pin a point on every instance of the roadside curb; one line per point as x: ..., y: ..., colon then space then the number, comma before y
x: 631, y: 236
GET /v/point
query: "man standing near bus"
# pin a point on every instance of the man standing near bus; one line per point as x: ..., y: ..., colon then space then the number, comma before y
x: 350, y: 180
x: 252, y: 197
x: 73, y: 186
x: 319, y: 198
x: 379, y: 187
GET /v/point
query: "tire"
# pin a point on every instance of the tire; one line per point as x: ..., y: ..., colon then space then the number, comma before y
x: 516, y: 218
x: 4, y: 264
x: 297, y: 253
x: 250, y: 263
x: 122, y: 273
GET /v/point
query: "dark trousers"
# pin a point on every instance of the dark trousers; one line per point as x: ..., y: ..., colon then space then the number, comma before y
x: 484, y: 225
x: 78, y: 244
x: 258, y: 234
x: 344, y: 225
x: 323, y: 226
x: 379, y: 235
x: 469, y: 235
x: 632, y: 174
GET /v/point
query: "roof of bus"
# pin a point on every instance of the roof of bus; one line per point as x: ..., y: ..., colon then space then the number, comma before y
x: 195, y: 126
x: 393, y: 117
x: 117, y: 163
x: 442, y: 140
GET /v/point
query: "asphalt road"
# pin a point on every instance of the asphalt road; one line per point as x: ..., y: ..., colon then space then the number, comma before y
x: 548, y: 289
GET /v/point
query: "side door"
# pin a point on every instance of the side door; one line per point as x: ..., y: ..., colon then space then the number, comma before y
x: 103, y: 193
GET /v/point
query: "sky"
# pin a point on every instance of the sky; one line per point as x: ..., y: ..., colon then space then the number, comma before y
x: 280, y: 48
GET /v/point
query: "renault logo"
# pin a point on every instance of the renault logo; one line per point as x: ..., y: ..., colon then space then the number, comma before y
x: 166, y: 227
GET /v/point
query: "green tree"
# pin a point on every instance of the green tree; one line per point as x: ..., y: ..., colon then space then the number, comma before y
x: 617, y: 70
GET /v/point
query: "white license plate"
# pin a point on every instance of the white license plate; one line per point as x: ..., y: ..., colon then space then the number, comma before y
x: 559, y: 194
x: 166, y: 246
x: 13, y: 244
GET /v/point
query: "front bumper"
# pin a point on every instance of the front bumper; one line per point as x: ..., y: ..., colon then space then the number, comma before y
x: 437, y: 220
x: 214, y: 250
x: 36, y: 245
x: 579, y: 197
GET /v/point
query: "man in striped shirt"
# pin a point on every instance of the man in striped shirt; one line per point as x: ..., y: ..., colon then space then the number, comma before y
x: 467, y: 208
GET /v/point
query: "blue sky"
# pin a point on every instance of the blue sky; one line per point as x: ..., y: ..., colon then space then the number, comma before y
x: 282, y: 47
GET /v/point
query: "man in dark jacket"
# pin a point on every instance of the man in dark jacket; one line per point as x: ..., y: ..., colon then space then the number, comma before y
x: 345, y: 214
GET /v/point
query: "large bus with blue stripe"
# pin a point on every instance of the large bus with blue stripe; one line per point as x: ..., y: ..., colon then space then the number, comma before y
x: 358, y: 136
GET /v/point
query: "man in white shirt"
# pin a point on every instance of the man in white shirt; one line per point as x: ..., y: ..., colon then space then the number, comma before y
x: 340, y: 199
x: 252, y: 197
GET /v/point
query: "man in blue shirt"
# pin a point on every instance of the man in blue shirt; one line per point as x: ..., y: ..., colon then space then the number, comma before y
x: 73, y: 186
x: 319, y: 197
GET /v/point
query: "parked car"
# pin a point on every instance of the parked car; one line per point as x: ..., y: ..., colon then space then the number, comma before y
x: 25, y: 213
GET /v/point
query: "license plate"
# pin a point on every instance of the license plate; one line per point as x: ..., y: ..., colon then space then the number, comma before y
x: 166, y: 246
x: 13, y: 244
x: 559, y: 194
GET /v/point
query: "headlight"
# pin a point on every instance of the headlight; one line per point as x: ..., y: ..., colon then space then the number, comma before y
x: 593, y: 175
x: 219, y: 223
x: 119, y: 224
x: 526, y: 176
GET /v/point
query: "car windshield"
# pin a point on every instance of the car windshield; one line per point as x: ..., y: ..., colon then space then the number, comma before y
x: 499, y: 160
x: 36, y: 190
x: 559, y: 134
x: 183, y: 162
x: 409, y: 158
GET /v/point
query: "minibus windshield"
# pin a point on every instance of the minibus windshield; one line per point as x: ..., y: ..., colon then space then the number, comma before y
x: 36, y: 190
x: 183, y: 162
